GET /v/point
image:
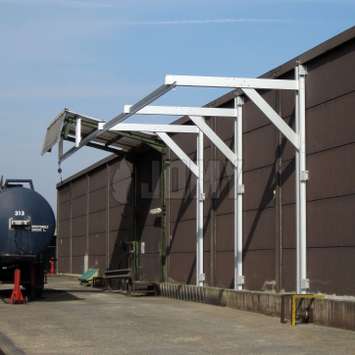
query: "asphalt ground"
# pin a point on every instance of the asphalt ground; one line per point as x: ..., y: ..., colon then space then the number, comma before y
x: 71, y: 319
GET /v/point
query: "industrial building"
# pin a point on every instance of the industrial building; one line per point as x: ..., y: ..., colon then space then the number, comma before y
x: 137, y: 208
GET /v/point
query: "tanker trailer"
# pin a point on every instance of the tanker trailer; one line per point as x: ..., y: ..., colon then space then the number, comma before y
x: 27, y: 224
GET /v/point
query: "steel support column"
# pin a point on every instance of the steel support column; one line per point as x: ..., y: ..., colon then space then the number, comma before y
x: 200, y: 196
x: 302, y: 283
x: 238, y: 196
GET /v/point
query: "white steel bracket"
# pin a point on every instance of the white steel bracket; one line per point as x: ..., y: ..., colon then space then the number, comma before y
x: 241, y: 189
x: 305, y: 284
x: 202, y: 277
x: 273, y: 116
x: 214, y: 138
x: 240, y: 280
x: 304, y: 176
x: 179, y: 152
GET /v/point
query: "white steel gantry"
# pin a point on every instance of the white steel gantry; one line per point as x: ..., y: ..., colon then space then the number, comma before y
x: 247, y: 87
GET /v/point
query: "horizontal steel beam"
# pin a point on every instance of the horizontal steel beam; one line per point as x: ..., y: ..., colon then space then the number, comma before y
x: 231, y: 82
x: 147, y: 127
x: 183, y: 111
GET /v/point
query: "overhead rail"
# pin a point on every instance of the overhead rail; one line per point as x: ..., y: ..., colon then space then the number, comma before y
x: 247, y: 87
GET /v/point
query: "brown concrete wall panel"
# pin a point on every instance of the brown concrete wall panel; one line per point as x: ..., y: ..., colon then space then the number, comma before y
x: 65, y: 210
x: 79, y: 206
x: 65, y: 247
x: 207, y: 235
x: 64, y: 192
x: 97, y: 200
x: 259, y: 188
x: 259, y: 267
x: 332, y: 173
x: 329, y: 75
x: 286, y: 149
x: 77, y: 264
x: 78, y: 246
x: 331, y: 222
x: 224, y: 127
x: 224, y: 202
x: 206, y: 266
x: 65, y: 227
x: 185, y: 141
x: 186, y: 187
x: 79, y: 226
x: 286, y: 99
x: 121, y: 192
x: 117, y: 256
x: 259, y: 229
x: 289, y: 225
x: 151, y: 236
x: 208, y: 156
x: 186, y: 271
x: 180, y: 176
x: 79, y: 187
x: 288, y: 182
x: 225, y: 232
x: 183, y: 209
x: 65, y: 264
x: 252, y: 117
x: 121, y: 218
x: 97, y: 244
x: 224, y: 269
x: 183, y: 237
x: 116, y: 238
x: 120, y: 169
x: 150, y: 264
x: 259, y: 147
x: 97, y: 222
x: 289, y: 270
x: 145, y: 219
x: 98, y: 179
x: 330, y: 270
x: 224, y: 166
x: 331, y: 124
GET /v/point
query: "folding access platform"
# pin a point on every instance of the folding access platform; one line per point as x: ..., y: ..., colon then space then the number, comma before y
x: 117, y: 137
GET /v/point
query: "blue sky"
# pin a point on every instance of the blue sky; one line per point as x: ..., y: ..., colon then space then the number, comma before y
x: 94, y: 56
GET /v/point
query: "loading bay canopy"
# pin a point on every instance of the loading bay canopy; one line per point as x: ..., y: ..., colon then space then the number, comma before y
x: 117, y: 137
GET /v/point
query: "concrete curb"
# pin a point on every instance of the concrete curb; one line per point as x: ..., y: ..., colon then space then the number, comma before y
x: 331, y: 312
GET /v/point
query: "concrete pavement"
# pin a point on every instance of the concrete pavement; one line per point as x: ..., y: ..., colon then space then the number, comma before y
x: 76, y: 320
